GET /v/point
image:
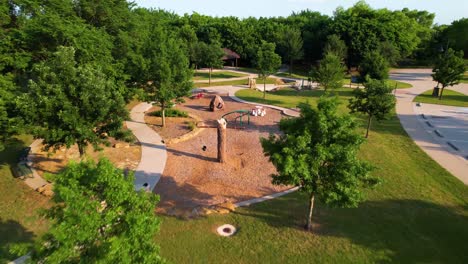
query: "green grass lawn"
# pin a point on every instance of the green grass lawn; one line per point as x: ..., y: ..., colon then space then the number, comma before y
x: 20, y: 220
x: 449, y: 97
x: 392, y: 83
x: 418, y: 214
x: 465, y: 78
x: 217, y: 75
x: 235, y: 82
x: 400, y: 85
x: 293, y: 75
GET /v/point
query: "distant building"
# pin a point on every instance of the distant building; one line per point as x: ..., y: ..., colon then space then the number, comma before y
x: 230, y: 57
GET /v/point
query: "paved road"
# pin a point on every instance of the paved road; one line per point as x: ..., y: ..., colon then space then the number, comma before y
x: 153, y: 151
x: 450, y: 122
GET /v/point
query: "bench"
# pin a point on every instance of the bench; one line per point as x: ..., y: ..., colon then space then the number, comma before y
x: 22, y: 171
x: 24, y: 153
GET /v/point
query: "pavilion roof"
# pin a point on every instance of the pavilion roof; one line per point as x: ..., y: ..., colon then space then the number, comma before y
x: 230, y: 55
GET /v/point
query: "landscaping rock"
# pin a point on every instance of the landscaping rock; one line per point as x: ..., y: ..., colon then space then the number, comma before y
x: 121, y: 145
x: 222, y: 210
x: 216, y: 103
x: 46, y: 190
x: 227, y: 205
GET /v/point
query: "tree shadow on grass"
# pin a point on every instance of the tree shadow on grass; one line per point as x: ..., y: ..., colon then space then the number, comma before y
x: 407, y: 231
x: 10, y: 155
x: 215, y: 75
x: 459, y: 98
x: 12, y: 232
x: 179, y: 195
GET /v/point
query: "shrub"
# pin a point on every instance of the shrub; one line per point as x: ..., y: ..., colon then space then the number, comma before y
x: 191, y: 125
x: 171, y: 112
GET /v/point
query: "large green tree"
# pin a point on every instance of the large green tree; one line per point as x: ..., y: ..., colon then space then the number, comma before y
x: 9, y: 119
x: 291, y: 45
x: 98, y: 217
x: 167, y: 73
x: 375, y: 100
x: 318, y: 152
x: 69, y: 104
x: 448, y: 69
x: 268, y: 62
x: 209, y: 55
x: 330, y: 72
x: 364, y: 28
x: 374, y: 65
x: 456, y: 35
x: 336, y: 46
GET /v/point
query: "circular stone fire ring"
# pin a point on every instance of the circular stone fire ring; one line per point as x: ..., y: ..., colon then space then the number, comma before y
x: 226, y: 230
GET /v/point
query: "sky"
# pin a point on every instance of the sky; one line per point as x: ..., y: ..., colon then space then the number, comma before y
x: 446, y: 10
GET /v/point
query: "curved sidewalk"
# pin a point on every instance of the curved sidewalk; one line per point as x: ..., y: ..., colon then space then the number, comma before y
x: 153, y: 151
x: 436, y: 149
x: 231, y: 91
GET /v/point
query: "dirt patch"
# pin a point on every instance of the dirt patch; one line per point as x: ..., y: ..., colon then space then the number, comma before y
x: 124, y: 156
x: 193, y: 177
x: 175, y: 126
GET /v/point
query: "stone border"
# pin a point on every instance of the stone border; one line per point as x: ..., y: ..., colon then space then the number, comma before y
x: 197, y: 130
x: 265, y: 198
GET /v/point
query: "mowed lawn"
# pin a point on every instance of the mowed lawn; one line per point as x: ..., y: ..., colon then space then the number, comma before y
x: 449, y: 97
x: 217, y: 75
x: 20, y: 219
x: 235, y: 82
x: 419, y: 213
x: 464, y: 78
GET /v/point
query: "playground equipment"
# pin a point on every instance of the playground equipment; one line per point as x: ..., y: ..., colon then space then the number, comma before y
x: 241, y: 113
x: 258, y: 111
x: 216, y: 103
x: 198, y: 96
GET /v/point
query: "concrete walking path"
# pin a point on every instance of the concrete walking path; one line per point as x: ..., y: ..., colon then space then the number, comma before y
x: 436, y: 148
x: 153, y: 151
x: 231, y: 91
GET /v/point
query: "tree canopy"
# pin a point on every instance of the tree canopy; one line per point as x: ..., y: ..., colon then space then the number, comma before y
x: 208, y: 55
x: 71, y: 104
x: 363, y: 29
x: 336, y: 46
x: 330, y: 72
x: 375, y: 100
x: 268, y: 62
x: 374, y: 65
x: 448, y: 69
x: 318, y: 152
x: 98, y: 217
x: 291, y: 45
x: 167, y: 76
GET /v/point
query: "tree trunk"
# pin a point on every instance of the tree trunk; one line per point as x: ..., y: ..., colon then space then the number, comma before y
x: 441, y: 92
x: 290, y: 67
x: 209, y: 79
x: 163, y: 115
x: 264, y: 88
x: 81, y: 148
x: 311, y: 209
x: 368, y: 126
x: 222, y: 140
